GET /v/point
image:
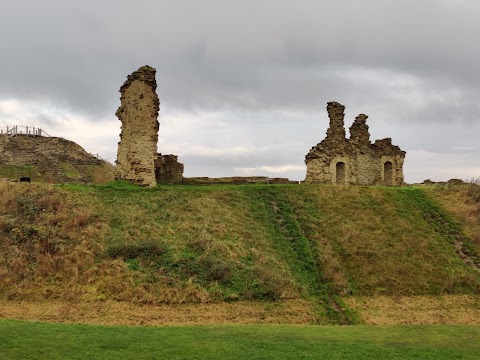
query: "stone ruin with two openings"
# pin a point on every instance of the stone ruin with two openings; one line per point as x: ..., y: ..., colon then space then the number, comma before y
x: 353, y: 161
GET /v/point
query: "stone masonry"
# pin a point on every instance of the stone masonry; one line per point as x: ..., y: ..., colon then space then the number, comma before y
x: 137, y: 158
x: 354, y: 161
x: 168, y: 170
x: 137, y: 149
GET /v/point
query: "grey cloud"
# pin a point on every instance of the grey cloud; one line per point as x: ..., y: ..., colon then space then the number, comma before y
x: 237, y: 54
x: 51, y: 122
x: 268, y: 66
x: 257, y: 157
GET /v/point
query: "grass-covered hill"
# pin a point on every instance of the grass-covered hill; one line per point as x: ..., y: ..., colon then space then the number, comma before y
x: 318, y: 254
x: 50, y: 160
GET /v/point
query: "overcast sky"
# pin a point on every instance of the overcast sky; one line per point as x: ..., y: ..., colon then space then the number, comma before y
x: 243, y: 84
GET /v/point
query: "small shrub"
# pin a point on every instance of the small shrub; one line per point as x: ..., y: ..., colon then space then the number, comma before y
x: 215, y: 269
x: 7, y: 224
x: 206, y: 267
x: 27, y: 207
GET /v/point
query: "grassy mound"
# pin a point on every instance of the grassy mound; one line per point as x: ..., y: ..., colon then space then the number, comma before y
x: 194, y: 244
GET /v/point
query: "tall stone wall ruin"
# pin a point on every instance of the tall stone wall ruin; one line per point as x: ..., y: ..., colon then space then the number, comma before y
x: 138, y: 111
x: 137, y: 158
x: 353, y: 161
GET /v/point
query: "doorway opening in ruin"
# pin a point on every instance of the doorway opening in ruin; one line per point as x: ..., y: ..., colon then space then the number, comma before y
x: 388, y: 173
x: 340, y: 173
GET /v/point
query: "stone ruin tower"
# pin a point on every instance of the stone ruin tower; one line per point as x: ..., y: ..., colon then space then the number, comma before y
x: 354, y: 161
x: 137, y: 158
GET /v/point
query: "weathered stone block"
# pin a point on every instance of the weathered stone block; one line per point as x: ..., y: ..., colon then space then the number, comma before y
x: 168, y: 170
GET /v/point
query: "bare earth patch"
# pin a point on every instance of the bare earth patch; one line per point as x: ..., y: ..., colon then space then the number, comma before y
x: 123, y: 313
x: 445, y: 309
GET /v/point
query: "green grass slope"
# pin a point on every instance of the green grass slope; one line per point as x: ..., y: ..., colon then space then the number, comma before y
x: 199, y: 244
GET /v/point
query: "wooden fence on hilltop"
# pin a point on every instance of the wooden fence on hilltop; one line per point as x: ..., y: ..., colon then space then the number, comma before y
x: 23, y: 130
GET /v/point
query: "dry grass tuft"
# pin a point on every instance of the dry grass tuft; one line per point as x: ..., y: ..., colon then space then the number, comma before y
x: 445, y: 309
x: 107, y: 312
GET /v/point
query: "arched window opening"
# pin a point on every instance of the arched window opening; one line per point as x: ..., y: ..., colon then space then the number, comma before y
x: 388, y: 173
x: 340, y: 173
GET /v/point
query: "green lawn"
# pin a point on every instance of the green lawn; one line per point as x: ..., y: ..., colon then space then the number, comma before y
x: 24, y: 340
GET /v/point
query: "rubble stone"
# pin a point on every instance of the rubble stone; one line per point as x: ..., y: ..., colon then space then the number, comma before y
x: 168, y: 170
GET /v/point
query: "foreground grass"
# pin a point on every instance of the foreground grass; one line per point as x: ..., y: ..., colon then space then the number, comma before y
x: 23, y: 340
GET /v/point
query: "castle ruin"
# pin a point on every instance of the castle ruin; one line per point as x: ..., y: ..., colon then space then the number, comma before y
x: 354, y: 161
x: 137, y: 158
x: 336, y: 160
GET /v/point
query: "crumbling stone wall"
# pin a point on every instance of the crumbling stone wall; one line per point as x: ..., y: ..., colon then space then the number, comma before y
x: 137, y: 158
x: 138, y: 112
x: 168, y: 170
x: 338, y: 160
